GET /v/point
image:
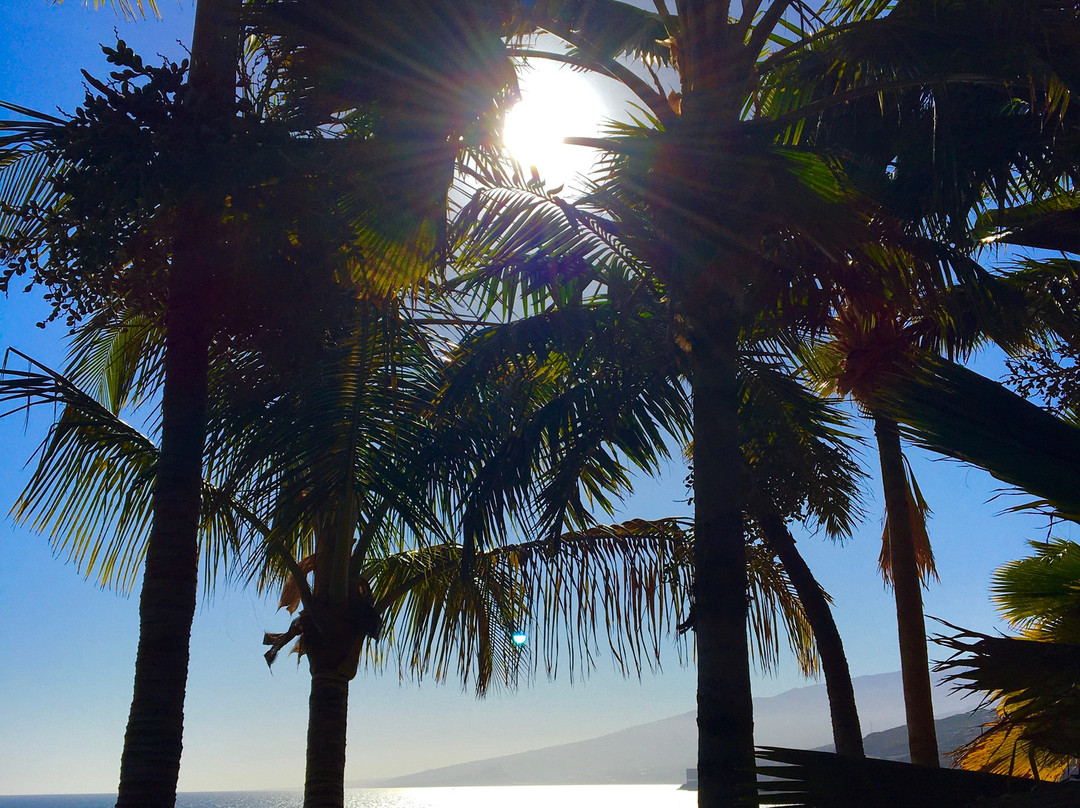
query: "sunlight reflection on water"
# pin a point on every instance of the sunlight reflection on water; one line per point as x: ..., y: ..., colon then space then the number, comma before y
x: 624, y: 796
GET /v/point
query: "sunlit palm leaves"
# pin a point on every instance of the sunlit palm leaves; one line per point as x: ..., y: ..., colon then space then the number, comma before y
x: 1032, y: 678
x: 92, y: 482
x: 126, y: 7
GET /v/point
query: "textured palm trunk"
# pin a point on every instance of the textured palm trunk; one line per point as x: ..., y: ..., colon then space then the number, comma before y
x: 914, y: 664
x: 153, y: 742
x: 150, y: 763
x: 334, y: 634
x: 328, y: 713
x: 847, y: 733
x: 725, y: 709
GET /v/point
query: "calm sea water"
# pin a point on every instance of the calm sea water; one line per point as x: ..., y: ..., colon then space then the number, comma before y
x: 651, y: 796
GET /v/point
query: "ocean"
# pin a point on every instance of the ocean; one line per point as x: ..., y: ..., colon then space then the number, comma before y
x: 620, y: 796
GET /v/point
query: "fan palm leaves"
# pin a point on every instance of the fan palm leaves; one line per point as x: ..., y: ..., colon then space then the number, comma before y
x: 1031, y: 677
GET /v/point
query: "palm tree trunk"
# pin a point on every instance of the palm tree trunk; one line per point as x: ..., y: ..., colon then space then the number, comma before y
x: 153, y: 742
x: 914, y: 664
x: 150, y: 763
x: 328, y: 713
x: 847, y: 733
x: 725, y: 709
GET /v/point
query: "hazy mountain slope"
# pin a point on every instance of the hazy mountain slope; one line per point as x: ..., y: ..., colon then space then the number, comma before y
x: 661, y: 751
x: 952, y: 732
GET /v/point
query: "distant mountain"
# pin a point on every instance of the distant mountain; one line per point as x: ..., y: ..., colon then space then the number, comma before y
x: 952, y: 733
x: 661, y: 751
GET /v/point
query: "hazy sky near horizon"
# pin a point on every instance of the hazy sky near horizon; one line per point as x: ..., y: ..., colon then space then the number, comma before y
x: 69, y: 647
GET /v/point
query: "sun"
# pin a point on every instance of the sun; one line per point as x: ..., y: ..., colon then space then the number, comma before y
x: 556, y: 103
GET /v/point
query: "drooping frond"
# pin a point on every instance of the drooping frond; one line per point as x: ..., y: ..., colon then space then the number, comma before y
x: 918, y: 513
x: 1034, y: 683
x: 130, y: 10
x: 91, y: 489
x: 775, y: 609
x: 623, y: 586
x: 954, y: 411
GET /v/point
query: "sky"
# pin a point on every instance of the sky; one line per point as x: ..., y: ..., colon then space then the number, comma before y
x: 68, y: 647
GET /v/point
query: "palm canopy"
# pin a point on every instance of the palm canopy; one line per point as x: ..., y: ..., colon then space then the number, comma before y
x: 742, y: 211
x: 591, y: 305
x: 630, y: 582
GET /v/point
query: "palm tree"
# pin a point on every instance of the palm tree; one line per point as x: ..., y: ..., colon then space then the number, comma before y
x: 728, y: 206
x: 417, y: 599
x: 187, y: 256
x: 520, y: 237
x: 150, y: 763
x: 735, y: 214
x: 866, y: 346
x: 915, y: 153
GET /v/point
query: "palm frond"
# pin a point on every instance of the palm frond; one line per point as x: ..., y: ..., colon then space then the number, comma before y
x: 810, y: 779
x: 1040, y: 595
x: 625, y: 585
x: 1032, y: 681
x: 954, y: 411
x: 775, y: 609
x: 91, y: 488
x: 1045, y: 224
x: 127, y: 8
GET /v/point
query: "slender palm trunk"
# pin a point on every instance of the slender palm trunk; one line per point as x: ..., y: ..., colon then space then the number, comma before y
x: 328, y: 713
x: 847, y: 734
x: 153, y: 742
x: 914, y: 664
x: 150, y: 763
x: 725, y: 709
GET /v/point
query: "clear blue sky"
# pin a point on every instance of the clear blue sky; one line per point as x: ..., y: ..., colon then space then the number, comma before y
x: 68, y: 647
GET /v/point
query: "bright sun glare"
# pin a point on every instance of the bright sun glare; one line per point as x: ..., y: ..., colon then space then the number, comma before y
x: 555, y: 103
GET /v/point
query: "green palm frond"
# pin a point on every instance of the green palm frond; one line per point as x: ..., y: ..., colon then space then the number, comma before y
x: 798, y: 448
x: 517, y: 242
x: 954, y: 411
x: 126, y: 7
x: 27, y: 164
x: 1045, y: 224
x: 626, y: 586
x: 91, y: 488
x: 24, y: 182
x: 354, y: 416
x: 118, y: 357
x: 775, y: 609
x: 600, y: 391
x: 1040, y: 595
x: 1033, y: 681
x: 90, y: 491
